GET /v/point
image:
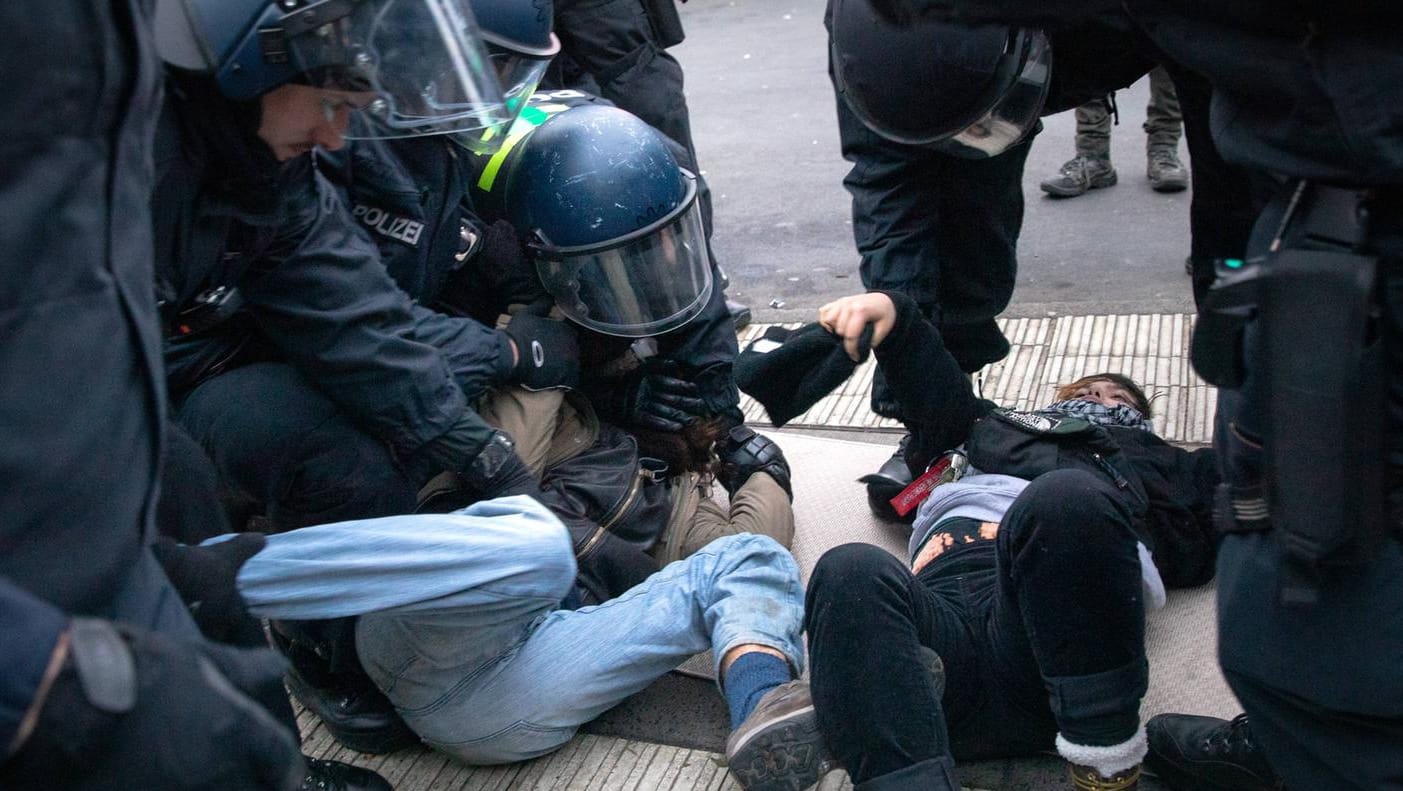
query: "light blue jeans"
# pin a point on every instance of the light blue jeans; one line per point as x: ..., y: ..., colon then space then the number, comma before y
x: 461, y: 627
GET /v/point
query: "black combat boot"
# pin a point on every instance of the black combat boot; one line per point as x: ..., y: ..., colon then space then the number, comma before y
x: 336, y: 776
x: 887, y: 482
x: 336, y: 689
x: 1207, y: 754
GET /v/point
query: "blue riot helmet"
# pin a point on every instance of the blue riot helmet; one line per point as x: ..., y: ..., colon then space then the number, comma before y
x: 520, y: 44
x: 613, y: 222
x: 421, y: 64
x: 968, y: 90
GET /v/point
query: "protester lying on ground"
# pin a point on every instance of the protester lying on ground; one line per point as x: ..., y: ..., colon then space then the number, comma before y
x: 1032, y: 564
x: 461, y: 624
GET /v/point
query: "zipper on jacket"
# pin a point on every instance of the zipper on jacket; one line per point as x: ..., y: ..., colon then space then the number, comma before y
x: 614, y: 515
x: 1120, y: 480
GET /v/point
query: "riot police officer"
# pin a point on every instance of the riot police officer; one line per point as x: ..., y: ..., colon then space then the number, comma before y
x: 291, y: 356
x: 1303, y: 338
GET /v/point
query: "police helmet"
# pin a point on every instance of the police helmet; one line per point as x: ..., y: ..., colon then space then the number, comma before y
x: 969, y: 90
x: 613, y: 222
x: 421, y: 63
x: 520, y: 44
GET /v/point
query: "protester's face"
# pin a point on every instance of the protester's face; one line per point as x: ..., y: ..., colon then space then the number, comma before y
x: 1106, y: 393
x: 298, y: 117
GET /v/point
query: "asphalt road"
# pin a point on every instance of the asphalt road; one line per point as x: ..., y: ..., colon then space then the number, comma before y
x: 767, y: 141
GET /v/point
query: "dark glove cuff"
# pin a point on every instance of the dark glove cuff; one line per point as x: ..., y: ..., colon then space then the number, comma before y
x: 506, y: 358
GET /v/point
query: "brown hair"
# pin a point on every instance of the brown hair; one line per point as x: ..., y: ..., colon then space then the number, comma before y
x: 687, y: 451
x: 1137, y: 395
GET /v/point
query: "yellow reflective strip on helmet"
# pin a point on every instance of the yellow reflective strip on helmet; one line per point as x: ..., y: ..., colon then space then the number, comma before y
x: 531, y: 117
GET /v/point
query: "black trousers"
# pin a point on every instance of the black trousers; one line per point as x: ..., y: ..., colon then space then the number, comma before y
x: 1040, y: 631
x: 278, y: 442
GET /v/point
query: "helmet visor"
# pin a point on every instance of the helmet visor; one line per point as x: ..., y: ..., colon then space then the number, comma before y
x: 1015, y: 113
x: 423, y: 61
x: 650, y: 282
x: 519, y: 74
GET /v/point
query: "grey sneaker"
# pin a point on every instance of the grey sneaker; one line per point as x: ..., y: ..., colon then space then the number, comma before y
x: 778, y: 747
x: 1080, y: 174
x: 1165, y: 172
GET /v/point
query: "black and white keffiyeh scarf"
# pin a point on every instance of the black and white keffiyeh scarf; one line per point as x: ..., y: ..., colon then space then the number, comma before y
x: 1119, y: 415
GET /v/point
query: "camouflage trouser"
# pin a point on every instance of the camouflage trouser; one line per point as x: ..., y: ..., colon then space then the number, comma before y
x: 1162, y: 121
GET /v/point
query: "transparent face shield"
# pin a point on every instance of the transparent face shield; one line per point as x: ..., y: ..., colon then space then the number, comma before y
x: 1015, y: 113
x: 651, y: 282
x: 421, y: 63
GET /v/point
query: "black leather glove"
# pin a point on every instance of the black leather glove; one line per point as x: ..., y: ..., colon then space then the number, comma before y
x: 136, y: 709
x: 206, y: 577
x: 547, y: 354
x: 497, y: 471
x: 496, y: 272
x: 661, y: 400
x: 744, y: 453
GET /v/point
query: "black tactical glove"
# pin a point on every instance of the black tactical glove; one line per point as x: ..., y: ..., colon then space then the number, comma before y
x: 547, y: 354
x: 744, y: 453
x: 497, y: 471
x: 206, y: 577
x: 136, y: 709
x: 495, y: 271
x: 659, y: 398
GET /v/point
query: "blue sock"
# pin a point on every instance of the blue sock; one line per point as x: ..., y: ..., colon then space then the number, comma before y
x: 749, y: 678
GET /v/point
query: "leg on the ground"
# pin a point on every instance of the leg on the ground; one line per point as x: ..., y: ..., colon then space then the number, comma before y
x: 867, y: 619
x: 1162, y: 129
x: 1069, y: 563
x: 760, y: 507
x: 1091, y: 167
x: 548, y: 675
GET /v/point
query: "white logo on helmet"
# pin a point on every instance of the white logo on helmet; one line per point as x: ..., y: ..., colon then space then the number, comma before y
x: 538, y: 354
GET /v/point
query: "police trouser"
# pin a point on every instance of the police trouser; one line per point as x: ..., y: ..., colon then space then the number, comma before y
x: 1322, y: 682
x: 278, y: 441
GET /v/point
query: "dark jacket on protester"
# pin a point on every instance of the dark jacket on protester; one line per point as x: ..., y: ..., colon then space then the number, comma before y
x: 941, y: 411
x: 312, y: 287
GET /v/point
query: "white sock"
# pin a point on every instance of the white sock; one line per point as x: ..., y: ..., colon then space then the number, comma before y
x: 1109, y: 759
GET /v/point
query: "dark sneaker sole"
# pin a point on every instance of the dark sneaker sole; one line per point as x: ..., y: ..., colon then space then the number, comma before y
x: 1169, y: 186
x: 786, y: 755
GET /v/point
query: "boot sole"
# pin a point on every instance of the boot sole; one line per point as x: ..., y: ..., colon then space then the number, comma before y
x: 786, y: 755
x: 1173, y: 186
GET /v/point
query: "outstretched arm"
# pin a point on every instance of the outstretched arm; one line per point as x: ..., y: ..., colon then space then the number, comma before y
x: 934, y: 393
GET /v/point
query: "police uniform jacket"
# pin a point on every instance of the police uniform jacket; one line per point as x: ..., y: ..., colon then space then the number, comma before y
x: 310, y: 285
x: 426, y: 206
